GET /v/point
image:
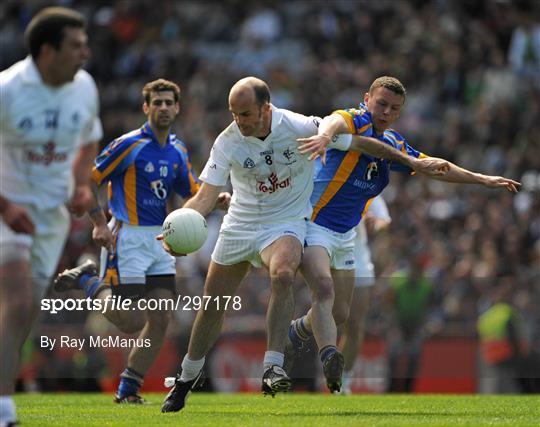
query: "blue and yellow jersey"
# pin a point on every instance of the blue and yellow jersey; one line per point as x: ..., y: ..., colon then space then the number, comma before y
x: 142, y: 175
x: 345, y: 187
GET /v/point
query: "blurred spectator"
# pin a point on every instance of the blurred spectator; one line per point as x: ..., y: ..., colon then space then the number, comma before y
x: 261, y: 27
x: 409, y: 300
x: 524, y: 52
x: 509, y: 367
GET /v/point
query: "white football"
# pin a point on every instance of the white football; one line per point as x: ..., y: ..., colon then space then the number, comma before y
x: 185, y: 230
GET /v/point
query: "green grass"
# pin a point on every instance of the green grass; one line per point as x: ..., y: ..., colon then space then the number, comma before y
x: 284, y: 410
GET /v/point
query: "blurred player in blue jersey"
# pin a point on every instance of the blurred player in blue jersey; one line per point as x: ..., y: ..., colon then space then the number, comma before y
x: 345, y: 184
x: 143, y: 169
x: 49, y: 129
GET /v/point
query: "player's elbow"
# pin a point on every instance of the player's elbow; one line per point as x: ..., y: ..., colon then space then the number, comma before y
x: 338, y: 123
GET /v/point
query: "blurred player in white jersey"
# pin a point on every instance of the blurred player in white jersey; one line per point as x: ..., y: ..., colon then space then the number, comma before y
x: 49, y: 127
x: 377, y: 219
x: 265, y: 226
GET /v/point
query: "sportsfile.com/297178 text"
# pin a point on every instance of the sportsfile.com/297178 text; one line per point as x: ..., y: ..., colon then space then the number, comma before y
x: 117, y: 302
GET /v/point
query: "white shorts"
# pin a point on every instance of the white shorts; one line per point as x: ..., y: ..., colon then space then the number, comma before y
x: 43, y: 249
x: 240, y: 241
x: 364, y: 274
x: 340, y: 246
x: 137, y: 254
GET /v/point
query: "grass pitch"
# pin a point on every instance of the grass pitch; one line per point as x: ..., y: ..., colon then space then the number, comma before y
x: 294, y: 409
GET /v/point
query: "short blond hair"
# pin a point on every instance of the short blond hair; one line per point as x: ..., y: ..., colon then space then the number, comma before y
x: 390, y: 83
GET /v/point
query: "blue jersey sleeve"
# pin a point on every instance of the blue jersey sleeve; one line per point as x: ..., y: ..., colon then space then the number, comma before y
x: 358, y: 120
x: 115, y: 159
x: 186, y: 183
x: 397, y: 141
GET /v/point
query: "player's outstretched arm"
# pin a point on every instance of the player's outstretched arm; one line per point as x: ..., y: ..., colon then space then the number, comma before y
x: 372, y: 146
x: 428, y: 165
x: 461, y: 175
x: 335, y: 124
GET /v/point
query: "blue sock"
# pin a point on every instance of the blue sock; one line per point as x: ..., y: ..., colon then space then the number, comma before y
x: 298, y: 332
x: 326, y: 352
x: 83, y: 280
x: 130, y: 383
x: 89, y: 284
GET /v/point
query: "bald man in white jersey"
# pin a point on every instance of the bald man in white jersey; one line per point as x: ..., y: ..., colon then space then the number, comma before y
x: 265, y: 225
x: 49, y: 127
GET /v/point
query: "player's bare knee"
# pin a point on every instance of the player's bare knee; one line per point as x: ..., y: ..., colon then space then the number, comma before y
x: 126, y: 322
x: 323, y: 290
x: 129, y: 327
x: 282, y: 279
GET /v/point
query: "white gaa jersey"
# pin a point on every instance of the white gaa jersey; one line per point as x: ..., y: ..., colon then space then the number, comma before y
x: 41, y: 130
x: 378, y: 209
x: 271, y: 180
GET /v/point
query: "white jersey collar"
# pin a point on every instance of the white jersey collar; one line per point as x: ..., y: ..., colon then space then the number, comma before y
x: 277, y: 116
x: 30, y: 72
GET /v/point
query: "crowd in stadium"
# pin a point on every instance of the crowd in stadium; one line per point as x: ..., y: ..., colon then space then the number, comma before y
x: 472, y: 73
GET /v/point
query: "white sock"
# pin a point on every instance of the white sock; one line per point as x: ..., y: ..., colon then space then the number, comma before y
x: 272, y: 358
x: 191, y: 368
x: 7, y: 409
x: 347, y: 382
